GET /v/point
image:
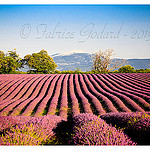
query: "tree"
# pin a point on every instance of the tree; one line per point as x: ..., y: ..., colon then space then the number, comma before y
x: 103, y: 61
x: 77, y: 71
x: 9, y: 62
x: 41, y: 62
x: 126, y: 69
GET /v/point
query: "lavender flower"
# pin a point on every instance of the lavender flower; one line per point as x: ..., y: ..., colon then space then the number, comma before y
x: 35, y: 131
x: 135, y: 125
x: 89, y: 129
x: 74, y: 100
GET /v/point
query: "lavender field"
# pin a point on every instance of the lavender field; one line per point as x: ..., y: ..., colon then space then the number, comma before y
x: 88, y: 109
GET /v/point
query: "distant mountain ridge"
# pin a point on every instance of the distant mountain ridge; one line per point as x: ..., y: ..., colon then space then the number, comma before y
x: 70, y: 62
x: 83, y: 61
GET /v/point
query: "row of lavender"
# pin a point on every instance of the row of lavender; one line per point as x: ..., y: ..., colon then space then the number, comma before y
x: 83, y: 129
x: 37, y: 95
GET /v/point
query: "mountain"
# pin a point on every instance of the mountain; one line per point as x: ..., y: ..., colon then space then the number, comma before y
x: 139, y: 63
x: 71, y: 61
x: 82, y: 60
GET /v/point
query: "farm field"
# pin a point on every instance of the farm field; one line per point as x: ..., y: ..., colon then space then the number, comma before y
x: 120, y: 100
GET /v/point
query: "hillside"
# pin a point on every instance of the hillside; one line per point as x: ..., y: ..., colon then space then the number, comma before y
x: 84, y: 61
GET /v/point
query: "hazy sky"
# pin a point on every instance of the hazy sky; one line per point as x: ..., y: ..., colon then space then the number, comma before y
x: 63, y: 28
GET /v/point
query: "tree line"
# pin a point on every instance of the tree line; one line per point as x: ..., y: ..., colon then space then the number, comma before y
x: 42, y: 63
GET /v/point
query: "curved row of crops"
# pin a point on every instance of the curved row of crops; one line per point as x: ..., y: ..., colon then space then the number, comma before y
x: 69, y: 95
x: 62, y: 108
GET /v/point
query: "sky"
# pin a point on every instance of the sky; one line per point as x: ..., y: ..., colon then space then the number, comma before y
x: 65, y: 28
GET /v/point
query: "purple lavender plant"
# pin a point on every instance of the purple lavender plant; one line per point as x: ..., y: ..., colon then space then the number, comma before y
x: 89, y: 129
x: 31, y: 131
x: 135, y: 125
x: 74, y: 100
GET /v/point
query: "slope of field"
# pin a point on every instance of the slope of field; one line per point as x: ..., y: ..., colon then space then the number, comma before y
x: 69, y: 95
